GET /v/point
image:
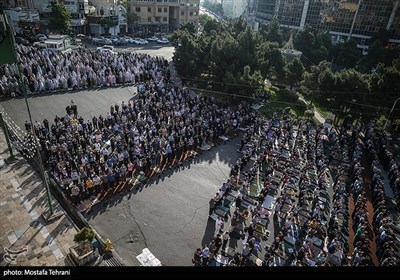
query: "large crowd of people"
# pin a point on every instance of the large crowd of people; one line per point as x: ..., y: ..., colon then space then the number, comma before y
x: 304, y: 179
x: 298, y: 177
x: 44, y: 70
x: 164, y: 125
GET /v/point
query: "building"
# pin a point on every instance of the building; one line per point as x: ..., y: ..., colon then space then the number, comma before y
x: 77, y: 8
x: 107, y: 9
x: 163, y: 15
x: 343, y: 19
x: 24, y: 20
x: 39, y: 13
x: 25, y: 4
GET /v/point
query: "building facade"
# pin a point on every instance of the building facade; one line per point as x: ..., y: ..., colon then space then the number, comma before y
x: 162, y: 15
x: 107, y: 9
x: 343, y: 19
x: 85, y: 15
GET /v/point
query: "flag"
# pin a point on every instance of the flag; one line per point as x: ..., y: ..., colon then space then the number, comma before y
x: 7, y: 51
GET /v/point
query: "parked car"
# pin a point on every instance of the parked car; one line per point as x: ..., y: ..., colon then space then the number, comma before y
x: 106, y: 48
x: 129, y: 40
x: 22, y: 41
x: 101, y: 41
x: 114, y: 40
x: 141, y: 41
x: 39, y: 45
x: 41, y: 37
x: 30, y: 38
x: 163, y: 41
x: 152, y: 39
x: 122, y: 41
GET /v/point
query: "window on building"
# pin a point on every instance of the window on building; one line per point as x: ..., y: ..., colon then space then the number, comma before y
x: 165, y: 10
x: 149, y: 9
x: 182, y: 13
x: 165, y: 19
x: 157, y: 19
x: 191, y: 14
x: 137, y: 9
x: 159, y: 10
x: 149, y: 19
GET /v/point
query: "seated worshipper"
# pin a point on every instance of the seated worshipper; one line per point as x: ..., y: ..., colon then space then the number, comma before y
x: 313, y: 224
x: 236, y: 261
x: 246, y: 214
x: 217, y: 199
x: 236, y: 213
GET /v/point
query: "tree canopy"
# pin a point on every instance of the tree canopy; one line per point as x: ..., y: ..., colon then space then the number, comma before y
x: 229, y: 57
x: 60, y: 16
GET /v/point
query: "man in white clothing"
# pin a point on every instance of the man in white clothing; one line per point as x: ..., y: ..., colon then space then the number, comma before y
x: 218, y: 225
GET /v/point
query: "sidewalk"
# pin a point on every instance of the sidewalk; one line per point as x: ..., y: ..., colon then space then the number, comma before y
x: 25, y: 238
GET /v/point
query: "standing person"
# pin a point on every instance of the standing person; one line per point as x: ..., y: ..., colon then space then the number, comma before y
x: 212, y: 206
x: 205, y: 256
x: 197, y: 257
x: 245, y: 253
x: 218, y: 225
x: 225, y: 240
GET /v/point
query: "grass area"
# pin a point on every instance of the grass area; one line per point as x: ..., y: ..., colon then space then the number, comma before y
x: 322, y: 110
x: 281, y: 99
x: 278, y: 101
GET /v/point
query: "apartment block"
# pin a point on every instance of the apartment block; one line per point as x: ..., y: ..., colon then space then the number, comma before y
x: 343, y: 19
x: 163, y: 15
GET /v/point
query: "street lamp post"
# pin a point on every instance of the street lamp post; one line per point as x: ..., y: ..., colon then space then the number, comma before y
x: 41, y: 167
x: 390, y: 114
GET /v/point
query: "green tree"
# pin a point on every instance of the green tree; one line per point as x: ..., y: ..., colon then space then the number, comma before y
x: 346, y: 54
x: 186, y: 56
x: 84, y: 237
x: 314, y: 47
x: 106, y: 23
x: 378, y: 53
x: 310, y: 86
x: 210, y: 25
x: 132, y: 19
x: 272, y: 32
x: 190, y: 27
x: 295, y: 72
x: 308, y: 114
x: 60, y: 16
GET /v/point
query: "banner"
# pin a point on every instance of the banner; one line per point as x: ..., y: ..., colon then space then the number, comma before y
x: 7, y: 52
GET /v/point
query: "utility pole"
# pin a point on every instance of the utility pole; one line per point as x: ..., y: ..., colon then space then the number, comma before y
x: 41, y: 167
x: 39, y: 155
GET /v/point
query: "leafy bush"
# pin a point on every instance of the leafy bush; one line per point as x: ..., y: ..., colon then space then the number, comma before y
x: 85, y: 234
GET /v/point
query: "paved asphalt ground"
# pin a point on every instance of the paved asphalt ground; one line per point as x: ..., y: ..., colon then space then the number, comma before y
x: 170, y: 214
